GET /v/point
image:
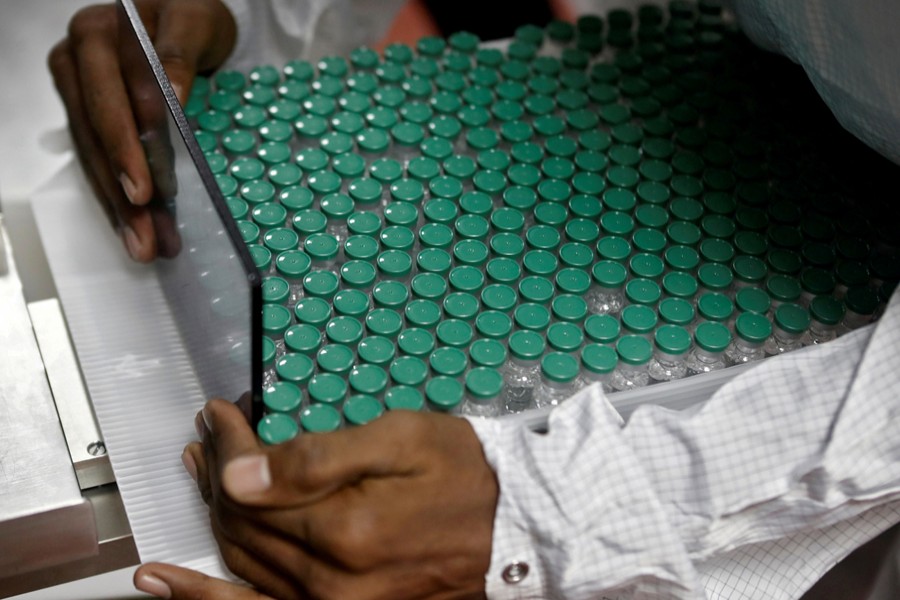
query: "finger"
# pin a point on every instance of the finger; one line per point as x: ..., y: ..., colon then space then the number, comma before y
x: 226, y: 435
x: 169, y: 581
x: 254, y: 569
x: 192, y: 36
x: 311, y: 467
x: 195, y: 464
x: 93, y: 33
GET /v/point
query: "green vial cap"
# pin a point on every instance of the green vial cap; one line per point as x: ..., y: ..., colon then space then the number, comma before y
x: 351, y: 303
x: 646, y: 265
x: 503, y: 270
x: 429, y: 286
x: 524, y: 177
x: 335, y: 358
x: 444, y: 393
x: 536, y: 289
x: 350, y: 166
x: 285, y: 175
x: 527, y: 153
x: 713, y: 306
x: 573, y: 281
x: 269, y: 215
x: 421, y: 313
x: 261, y: 256
x: 275, y: 290
x: 296, y: 198
x: 676, y: 311
x: 237, y: 207
x: 575, y: 254
x: 792, y: 318
x: 487, y: 353
x: 390, y: 294
x: 715, y: 277
x: 376, y: 349
x: 526, y: 345
x: 476, y: 203
x: 749, y: 269
x: 275, y: 131
x: 361, y: 247
x: 397, y: 237
x: 247, y: 169
x: 569, y: 307
x: 493, y: 324
x: 445, y: 187
x: 783, y: 288
x: 753, y: 327
x: 321, y: 284
x: 634, y: 350
x: 368, y: 379
x: 599, y: 359
x: 275, y: 319
x: 401, y: 213
x: 402, y: 397
x: 320, y: 418
x: 455, y: 333
x: 439, y: 210
x: 609, y: 273
x: 296, y: 368
x: 409, y: 370
x: 364, y: 223
x: 281, y: 239
x: 448, y: 361
x: 283, y: 397
x: 484, y: 382
x: 542, y: 237
x: 373, y: 140
x: 418, y: 112
x: 362, y: 409
x: 312, y: 160
x: 461, y: 167
x: 817, y: 281
x: 398, y: 53
x: 303, y: 339
x: 649, y: 240
x: 540, y: 262
x: 861, y: 300
x: 499, y: 297
x: 616, y: 223
x: 434, y: 260
x: 249, y: 232
x: 784, y: 261
x: 602, y: 329
x: 461, y: 305
x: 313, y: 311
x: 619, y: 200
x: 680, y: 285
x: 752, y: 299
x: 268, y: 351
x: 826, y: 310
x: 672, y: 339
x: 437, y: 148
x: 653, y: 191
x: 565, y: 337
x: 531, y: 316
x: 395, y: 264
x: 712, y: 336
x: 327, y: 388
x: 344, y: 330
x: 613, y: 248
x: 490, y: 182
x: 507, y: 245
x: 643, y: 291
x: 550, y: 213
x: 560, y: 367
x: 276, y: 429
x: 638, y: 318
x: 472, y: 227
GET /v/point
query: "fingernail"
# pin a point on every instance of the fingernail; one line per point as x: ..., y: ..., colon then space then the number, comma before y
x: 153, y: 586
x: 206, y: 419
x: 132, y: 243
x: 179, y: 92
x: 199, y: 425
x: 189, y: 465
x: 247, y: 476
x: 128, y: 186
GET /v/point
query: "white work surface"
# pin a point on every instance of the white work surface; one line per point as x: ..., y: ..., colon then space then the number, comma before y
x: 33, y: 145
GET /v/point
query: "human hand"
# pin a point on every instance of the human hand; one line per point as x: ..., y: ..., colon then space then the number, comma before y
x: 190, y: 36
x: 401, y: 508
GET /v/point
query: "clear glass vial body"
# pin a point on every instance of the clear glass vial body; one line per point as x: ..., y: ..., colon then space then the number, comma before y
x: 704, y: 361
x: 520, y: 377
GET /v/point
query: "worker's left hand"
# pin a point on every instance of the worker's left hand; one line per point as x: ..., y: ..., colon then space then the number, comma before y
x: 402, y: 507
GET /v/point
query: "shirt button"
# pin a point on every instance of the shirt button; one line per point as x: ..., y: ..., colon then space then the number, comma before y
x: 515, y: 572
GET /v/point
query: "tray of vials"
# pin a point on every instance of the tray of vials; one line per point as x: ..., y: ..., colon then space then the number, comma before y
x: 631, y: 199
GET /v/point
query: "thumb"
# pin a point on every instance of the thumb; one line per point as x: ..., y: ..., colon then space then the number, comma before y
x: 169, y: 581
x: 313, y: 466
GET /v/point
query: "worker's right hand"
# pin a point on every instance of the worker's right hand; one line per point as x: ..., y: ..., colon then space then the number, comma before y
x: 190, y: 36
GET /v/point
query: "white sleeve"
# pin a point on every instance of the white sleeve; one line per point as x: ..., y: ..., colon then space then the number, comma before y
x: 276, y: 31
x: 849, y: 51
x: 800, y: 454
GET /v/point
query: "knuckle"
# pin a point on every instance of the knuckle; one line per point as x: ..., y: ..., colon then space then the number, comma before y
x: 355, y: 539
x: 91, y: 21
x: 58, y: 58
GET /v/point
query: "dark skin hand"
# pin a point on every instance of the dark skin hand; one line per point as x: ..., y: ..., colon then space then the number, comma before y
x: 190, y: 36
x: 401, y: 508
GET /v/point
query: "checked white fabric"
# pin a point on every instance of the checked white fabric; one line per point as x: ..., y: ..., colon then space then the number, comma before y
x: 782, y: 473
